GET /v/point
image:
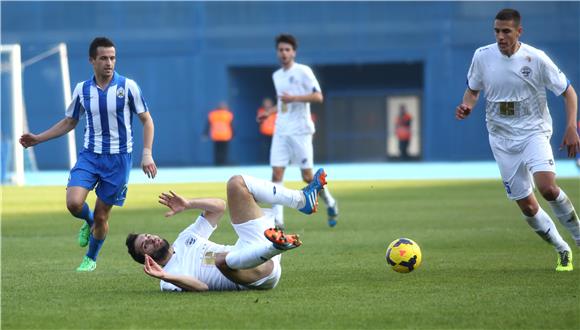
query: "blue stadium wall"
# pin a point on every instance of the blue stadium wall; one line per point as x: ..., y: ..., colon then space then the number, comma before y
x: 188, y: 56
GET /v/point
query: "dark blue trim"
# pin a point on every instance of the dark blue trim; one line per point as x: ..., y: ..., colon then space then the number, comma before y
x: 87, y: 104
x: 77, y: 108
x: 567, y: 86
x: 121, y: 83
x: 105, y: 133
x: 131, y: 102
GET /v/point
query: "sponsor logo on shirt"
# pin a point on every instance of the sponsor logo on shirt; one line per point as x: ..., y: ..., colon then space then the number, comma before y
x: 190, y: 241
x: 526, y: 71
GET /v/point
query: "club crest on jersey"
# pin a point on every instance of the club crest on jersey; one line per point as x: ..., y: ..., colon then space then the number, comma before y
x: 120, y: 92
x: 291, y: 79
x: 526, y: 71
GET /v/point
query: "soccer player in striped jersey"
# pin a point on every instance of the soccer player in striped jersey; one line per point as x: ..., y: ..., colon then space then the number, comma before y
x: 514, y: 77
x: 109, y: 101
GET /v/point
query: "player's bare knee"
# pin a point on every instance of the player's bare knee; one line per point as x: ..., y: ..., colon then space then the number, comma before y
x: 74, y: 206
x: 235, y: 184
x: 100, y: 219
x: 549, y: 192
x: 530, y: 209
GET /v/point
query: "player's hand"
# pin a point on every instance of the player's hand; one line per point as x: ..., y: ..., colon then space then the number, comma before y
x: 571, y: 141
x: 29, y: 140
x: 287, y: 98
x: 147, y: 163
x: 174, y: 202
x: 152, y: 268
x: 462, y: 111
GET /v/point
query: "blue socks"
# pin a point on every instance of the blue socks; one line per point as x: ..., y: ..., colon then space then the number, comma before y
x: 94, y: 247
x: 86, y: 214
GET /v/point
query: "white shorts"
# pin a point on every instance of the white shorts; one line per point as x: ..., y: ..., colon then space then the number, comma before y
x: 292, y: 149
x: 252, y: 232
x: 519, y: 160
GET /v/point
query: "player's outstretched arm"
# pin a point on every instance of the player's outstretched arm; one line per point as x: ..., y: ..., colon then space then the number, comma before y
x: 187, y: 283
x: 213, y: 208
x: 470, y: 98
x: 571, y: 140
x: 62, y: 127
x: 147, y: 163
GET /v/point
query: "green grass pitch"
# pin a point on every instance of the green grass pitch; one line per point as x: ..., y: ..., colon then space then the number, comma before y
x: 482, y: 266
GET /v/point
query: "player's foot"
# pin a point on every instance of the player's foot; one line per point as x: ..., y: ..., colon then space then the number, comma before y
x: 88, y: 265
x: 84, y: 235
x: 564, y: 261
x: 311, y: 192
x: 282, y: 241
x: 332, y: 214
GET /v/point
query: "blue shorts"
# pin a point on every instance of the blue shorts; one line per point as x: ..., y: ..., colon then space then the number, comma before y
x: 109, y: 173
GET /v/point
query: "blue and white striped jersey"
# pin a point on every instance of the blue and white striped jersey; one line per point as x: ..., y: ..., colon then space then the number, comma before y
x: 109, y: 113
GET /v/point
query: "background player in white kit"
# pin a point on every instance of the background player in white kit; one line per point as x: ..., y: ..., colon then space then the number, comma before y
x: 193, y: 263
x: 296, y: 87
x: 514, y: 77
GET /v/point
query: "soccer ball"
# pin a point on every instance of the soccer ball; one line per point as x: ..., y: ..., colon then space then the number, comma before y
x: 404, y: 255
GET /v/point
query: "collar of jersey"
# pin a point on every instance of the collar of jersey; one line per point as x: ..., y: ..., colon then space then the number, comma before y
x: 111, y: 83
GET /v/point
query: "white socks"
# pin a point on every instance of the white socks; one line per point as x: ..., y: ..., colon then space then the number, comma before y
x: 274, y: 193
x: 564, y: 211
x: 251, y: 256
x: 327, y: 197
x: 278, y: 211
x: 545, y: 227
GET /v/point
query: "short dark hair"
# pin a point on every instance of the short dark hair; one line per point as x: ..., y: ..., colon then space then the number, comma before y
x: 509, y: 14
x: 288, y: 39
x: 99, y: 42
x: 130, y: 242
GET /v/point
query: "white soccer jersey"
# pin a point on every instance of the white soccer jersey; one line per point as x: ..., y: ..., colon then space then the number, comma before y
x: 294, y: 118
x: 109, y: 113
x: 194, y: 255
x: 515, y: 89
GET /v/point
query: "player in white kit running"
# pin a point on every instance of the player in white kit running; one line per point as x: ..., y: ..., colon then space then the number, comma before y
x: 514, y: 77
x: 296, y: 87
x: 194, y: 263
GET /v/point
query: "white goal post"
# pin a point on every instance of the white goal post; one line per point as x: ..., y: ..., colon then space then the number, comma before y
x: 19, y: 124
x: 17, y: 110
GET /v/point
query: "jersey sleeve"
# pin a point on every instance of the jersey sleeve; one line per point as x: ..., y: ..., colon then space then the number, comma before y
x: 201, y: 227
x: 75, y: 109
x: 475, y: 74
x: 309, y: 80
x: 166, y: 286
x: 136, y: 101
x: 554, y: 79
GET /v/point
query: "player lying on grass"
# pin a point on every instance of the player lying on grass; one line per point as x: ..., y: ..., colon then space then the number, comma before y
x: 194, y: 263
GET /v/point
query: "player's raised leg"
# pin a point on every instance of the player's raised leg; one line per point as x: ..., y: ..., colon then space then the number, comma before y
x: 304, y: 200
x: 543, y: 225
x: 76, y: 204
x: 250, y: 223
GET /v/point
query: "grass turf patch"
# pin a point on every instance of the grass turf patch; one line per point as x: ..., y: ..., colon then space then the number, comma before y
x: 483, y: 267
